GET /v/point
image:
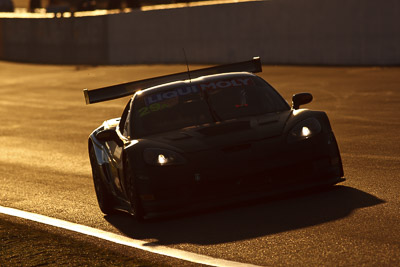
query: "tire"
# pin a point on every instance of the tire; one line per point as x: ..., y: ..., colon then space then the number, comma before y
x: 136, y: 205
x: 104, y: 197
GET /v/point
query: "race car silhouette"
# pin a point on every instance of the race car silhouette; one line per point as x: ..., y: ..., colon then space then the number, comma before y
x: 205, y: 137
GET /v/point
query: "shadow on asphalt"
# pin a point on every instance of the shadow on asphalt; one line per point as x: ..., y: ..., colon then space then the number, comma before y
x: 248, y: 220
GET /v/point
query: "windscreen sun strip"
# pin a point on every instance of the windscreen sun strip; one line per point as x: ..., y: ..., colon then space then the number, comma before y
x: 127, y: 89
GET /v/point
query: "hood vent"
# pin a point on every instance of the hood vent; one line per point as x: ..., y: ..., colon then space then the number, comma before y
x: 177, y: 136
x: 236, y: 148
x: 224, y: 128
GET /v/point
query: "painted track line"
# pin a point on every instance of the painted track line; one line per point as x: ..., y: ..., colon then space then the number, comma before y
x: 122, y: 240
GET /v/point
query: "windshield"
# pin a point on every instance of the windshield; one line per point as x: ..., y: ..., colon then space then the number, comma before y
x: 204, y: 102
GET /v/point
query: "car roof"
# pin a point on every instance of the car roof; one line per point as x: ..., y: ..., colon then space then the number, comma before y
x: 207, y: 78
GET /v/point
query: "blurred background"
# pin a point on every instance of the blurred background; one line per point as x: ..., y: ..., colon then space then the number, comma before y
x: 81, y: 5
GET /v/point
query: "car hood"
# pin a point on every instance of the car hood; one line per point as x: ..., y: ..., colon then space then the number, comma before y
x: 227, y: 135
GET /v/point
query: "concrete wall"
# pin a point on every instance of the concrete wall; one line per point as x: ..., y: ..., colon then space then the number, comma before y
x: 327, y: 32
x: 56, y: 41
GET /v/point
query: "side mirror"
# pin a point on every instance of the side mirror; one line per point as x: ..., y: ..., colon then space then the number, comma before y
x: 301, y: 99
x: 109, y: 135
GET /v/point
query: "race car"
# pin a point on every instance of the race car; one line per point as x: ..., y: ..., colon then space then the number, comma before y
x: 207, y: 137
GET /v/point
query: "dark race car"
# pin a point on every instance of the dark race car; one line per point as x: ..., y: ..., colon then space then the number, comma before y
x: 193, y: 139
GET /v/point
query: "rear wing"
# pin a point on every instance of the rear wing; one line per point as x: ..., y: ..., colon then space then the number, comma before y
x: 126, y: 89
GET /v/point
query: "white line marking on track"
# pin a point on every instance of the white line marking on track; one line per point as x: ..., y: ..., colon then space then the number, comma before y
x: 122, y: 240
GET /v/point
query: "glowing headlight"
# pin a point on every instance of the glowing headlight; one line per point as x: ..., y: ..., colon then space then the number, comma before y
x: 304, y: 130
x: 162, y: 157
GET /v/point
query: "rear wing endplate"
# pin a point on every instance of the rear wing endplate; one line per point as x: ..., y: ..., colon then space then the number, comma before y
x: 126, y: 89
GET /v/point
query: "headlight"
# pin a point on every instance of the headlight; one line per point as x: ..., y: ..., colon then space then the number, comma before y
x: 304, y: 130
x: 162, y: 157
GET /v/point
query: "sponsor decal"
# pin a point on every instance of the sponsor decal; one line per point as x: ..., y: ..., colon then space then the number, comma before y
x: 163, y: 100
x: 152, y: 108
x: 171, y: 94
x: 155, y: 98
x: 226, y: 84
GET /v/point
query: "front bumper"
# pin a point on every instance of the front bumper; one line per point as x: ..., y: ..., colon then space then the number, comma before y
x: 264, y: 168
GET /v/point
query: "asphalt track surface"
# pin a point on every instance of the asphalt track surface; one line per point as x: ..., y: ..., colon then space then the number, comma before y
x: 44, y: 167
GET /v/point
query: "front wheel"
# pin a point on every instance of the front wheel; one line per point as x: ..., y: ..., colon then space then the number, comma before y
x: 104, y: 198
x: 136, y: 204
